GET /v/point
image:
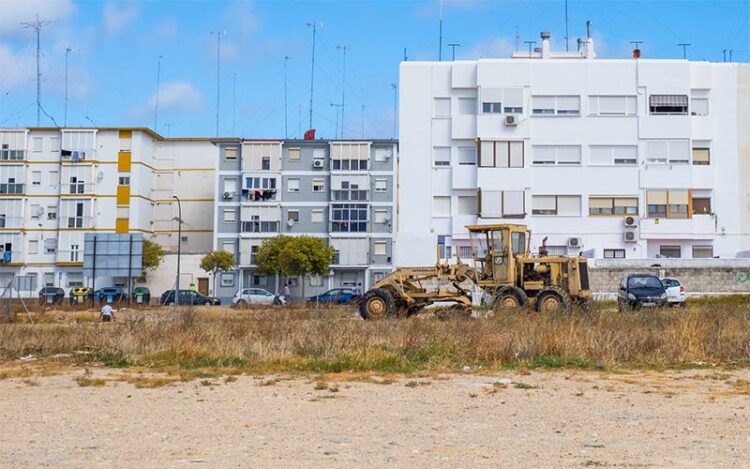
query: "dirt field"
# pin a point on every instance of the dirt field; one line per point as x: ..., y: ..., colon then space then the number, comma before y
x: 696, y: 418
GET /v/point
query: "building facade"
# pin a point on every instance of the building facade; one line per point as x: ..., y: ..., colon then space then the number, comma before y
x: 57, y: 184
x: 342, y: 191
x: 605, y: 158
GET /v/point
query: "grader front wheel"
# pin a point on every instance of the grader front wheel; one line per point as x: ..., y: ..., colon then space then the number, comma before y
x: 377, y: 304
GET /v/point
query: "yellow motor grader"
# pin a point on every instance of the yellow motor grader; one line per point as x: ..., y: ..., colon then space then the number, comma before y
x: 502, y: 271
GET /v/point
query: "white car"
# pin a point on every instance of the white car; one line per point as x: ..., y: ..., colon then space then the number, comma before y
x: 257, y: 296
x: 675, y: 291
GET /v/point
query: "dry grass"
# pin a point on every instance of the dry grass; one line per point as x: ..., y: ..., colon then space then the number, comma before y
x: 269, y: 340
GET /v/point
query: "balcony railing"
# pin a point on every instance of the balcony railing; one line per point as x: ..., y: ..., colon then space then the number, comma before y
x: 11, y: 188
x: 259, y: 195
x: 78, y: 222
x: 260, y: 226
x: 12, y: 155
x: 10, y: 222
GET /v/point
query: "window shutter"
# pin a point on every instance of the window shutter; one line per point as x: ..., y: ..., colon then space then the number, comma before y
x: 513, y: 203
x: 569, y: 205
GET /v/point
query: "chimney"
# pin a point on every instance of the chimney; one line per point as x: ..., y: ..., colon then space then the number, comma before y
x: 545, y: 44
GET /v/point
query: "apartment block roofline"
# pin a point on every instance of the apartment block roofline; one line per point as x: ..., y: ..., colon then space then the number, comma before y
x: 145, y: 130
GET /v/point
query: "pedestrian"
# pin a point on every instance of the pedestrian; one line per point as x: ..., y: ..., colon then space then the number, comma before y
x: 358, y: 289
x: 287, y: 293
x: 107, y: 314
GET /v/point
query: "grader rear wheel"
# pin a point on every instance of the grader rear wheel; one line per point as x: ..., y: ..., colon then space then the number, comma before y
x: 508, y: 298
x: 552, y: 300
x: 377, y: 304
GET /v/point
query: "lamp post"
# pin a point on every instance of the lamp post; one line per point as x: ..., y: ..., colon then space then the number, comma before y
x: 179, y: 246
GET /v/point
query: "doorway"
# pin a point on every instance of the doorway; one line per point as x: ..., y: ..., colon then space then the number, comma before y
x: 203, y: 285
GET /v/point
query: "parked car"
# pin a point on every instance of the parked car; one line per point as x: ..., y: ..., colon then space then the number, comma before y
x: 142, y: 295
x: 336, y: 296
x: 51, y: 295
x: 675, y: 291
x: 188, y: 297
x: 641, y: 290
x: 257, y: 296
x: 109, y: 295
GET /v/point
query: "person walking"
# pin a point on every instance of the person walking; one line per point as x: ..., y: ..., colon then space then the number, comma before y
x: 107, y: 314
x: 287, y: 293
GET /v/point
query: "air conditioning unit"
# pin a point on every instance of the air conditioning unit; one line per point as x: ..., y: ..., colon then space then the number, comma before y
x: 227, y: 195
x: 511, y: 120
x: 317, y: 163
x: 631, y: 221
x: 630, y: 236
x: 575, y: 242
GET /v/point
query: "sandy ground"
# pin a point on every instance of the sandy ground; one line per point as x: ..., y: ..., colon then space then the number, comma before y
x: 542, y: 419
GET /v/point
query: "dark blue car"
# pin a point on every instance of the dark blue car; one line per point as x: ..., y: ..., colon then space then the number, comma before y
x: 337, y: 296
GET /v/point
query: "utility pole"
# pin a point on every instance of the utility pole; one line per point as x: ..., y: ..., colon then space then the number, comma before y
x: 65, y: 115
x: 37, y: 26
x: 314, y: 26
x: 158, y: 85
x: 530, y: 43
x: 363, y: 121
x: 234, y: 101
x: 453, y: 50
x: 286, y: 115
x: 566, y: 26
x: 440, y: 34
x: 684, y: 49
x: 343, y: 88
x: 395, y: 109
x: 218, y: 75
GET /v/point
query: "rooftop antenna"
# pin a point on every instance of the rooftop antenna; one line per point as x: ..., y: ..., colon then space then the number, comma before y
x: 566, y: 26
x: 218, y: 75
x: 363, y: 121
x: 286, y: 116
x: 234, y: 101
x: 343, y: 88
x: 684, y: 49
x: 531, y: 44
x: 158, y: 84
x: 440, y: 36
x: 299, y: 121
x: 724, y: 51
x: 168, y: 126
x: 518, y: 38
x: 336, y: 131
x: 453, y: 50
x: 37, y: 26
x: 314, y: 26
x: 65, y: 114
x: 731, y: 52
x: 90, y: 120
x: 406, y: 58
x: 395, y: 109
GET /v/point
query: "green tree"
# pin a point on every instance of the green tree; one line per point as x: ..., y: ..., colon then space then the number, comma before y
x: 217, y: 261
x: 153, y: 253
x: 294, y: 256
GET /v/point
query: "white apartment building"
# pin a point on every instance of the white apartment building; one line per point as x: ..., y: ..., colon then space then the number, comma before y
x: 57, y: 184
x: 632, y: 158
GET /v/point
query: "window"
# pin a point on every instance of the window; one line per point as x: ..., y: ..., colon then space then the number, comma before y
x: 349, y: 156
x: 33, y: 246
x: 260, y: 280
x: 441, y: 156
x: 292, y: 185
x: 613, y: 105
x: 36, y: 178
x: 556, y: 105
x: 316, y: 216
x: 316, y: 281
x: 228, y: 246
x: 492, y: 108
x: 52, y: 212
x: 75, y: 251
x: 501, y: 204
x: 382, y: 154
x: 556, y: 154
x: 35, y: 210
x: 293, y: 216
x: 442, y: 107
x: 613, y: 206
x: 701, y: 153
x: 560, y: 205
x: 294, y: 153
x: 75, y: 280
x: 614, y: 254
x: 230, y: 153
x: 699, y: 106
x: 501, y: 154
x: 227, y: 280
x: 318, y: 185
x: 50, y: 246
x: 467, y: 205
x: 350, y: 218
x: 258, y: 183
x: 379, y: 248
x: 668, y: 104
x: 77, y: 186
x: 467, y: 155
x: 670, y: 251
x: 608, y: 155
x: 667, y: 204
x: 464, y: 252
x: 265, y: 163
x: 124, y: 180
x: 668, y: 151
x: 441, y: 206
x: 36, y: 144
x: 381, y: 185
x: 381, y: 216
x: 703, y: 252
x: 54, y: 178
x: 701, y: 203
x: 499, y: 100
x: 467, y: 106
x: 230, y: 215
x: 349, y: 191
x: 230, y: 185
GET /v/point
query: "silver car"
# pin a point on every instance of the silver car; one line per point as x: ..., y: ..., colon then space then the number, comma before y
x: 257, y: 296
x: 675, y: 291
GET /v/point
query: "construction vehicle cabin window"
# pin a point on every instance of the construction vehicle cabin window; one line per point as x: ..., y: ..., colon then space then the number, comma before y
x: 518, y: 239
x: 497, y: 242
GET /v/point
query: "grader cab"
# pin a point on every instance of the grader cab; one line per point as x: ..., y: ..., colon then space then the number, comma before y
x: 502, y: 271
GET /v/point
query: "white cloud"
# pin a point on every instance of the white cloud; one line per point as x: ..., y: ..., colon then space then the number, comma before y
x: 17, y: 69
x: 117, y: 17
x: 497, y: 48
x: 242, y: 14
x: 174, y: 96
x: 15, y: 12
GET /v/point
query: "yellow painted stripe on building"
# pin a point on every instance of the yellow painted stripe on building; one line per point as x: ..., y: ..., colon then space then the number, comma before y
x: 126, y: 134
x: 122, y: 225
x: 123, y: 195
x: 123, y: 161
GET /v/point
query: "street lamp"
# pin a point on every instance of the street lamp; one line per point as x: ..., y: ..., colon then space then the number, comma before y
x: 179, y: 246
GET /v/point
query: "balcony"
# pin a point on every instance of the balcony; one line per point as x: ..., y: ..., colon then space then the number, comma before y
x: 11, y: 188
x: 12, y: 155
x: 247, y: 258
x: 10, y: 222
x: 698, y: 227
x: 78, y: 222
x: 260, y: 226
x: 259, y: 195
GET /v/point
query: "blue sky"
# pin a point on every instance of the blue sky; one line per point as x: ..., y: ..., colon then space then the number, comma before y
x: 116, y: 45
